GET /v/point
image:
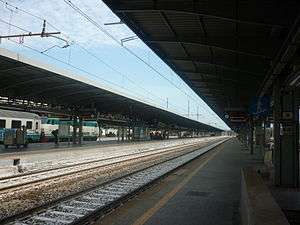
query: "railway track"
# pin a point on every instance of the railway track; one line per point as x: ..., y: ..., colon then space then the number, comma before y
x: 81, y: 208
x: 52, y: 163
x: 20, y: 180
x: 67, y: 148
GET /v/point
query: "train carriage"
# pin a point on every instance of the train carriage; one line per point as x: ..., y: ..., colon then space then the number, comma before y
x: 90, y: 129
x: 13, y: 120
x: 34, y: 124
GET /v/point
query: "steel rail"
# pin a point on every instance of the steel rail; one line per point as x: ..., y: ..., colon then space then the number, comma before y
x: 89, y: 204
x: 53, y: 176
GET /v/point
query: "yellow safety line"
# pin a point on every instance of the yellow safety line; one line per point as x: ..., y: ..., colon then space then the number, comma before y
x: 150, y: 212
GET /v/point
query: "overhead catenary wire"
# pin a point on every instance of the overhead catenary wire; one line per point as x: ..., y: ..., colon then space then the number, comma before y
x: 117, y: 41
x: 61, y: 61
x: 78, y: 10
x: 86, y: 50
x: 97, y: 25
x: 10, y: 24
x: 77, y: 68
x: 111, y: 36
x: 136, y: 96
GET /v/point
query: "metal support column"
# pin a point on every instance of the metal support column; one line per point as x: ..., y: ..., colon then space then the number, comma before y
x: 74, y: 130
x: 286, y: 136
x: 259, y: 132
x: 263, y: 144
x: 128, y: 133
x: 251, y: 127
x: 123, y: 132
x: 80, y: 136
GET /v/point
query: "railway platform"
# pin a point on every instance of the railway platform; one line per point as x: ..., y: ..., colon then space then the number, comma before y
x: 205, y: 191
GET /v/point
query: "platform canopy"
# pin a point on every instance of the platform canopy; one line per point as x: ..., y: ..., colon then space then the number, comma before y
x: 24, y: 79
x: 227, y: 51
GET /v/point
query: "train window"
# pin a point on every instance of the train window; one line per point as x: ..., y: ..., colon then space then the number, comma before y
x: 2, y: 123
x: 36, y: 125
x: 16, y: 124
x: 29, y: 125
x: 44, y: 120
x: 51, y: 121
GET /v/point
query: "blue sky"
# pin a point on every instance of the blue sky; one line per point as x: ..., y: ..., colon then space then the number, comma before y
x: 94, y: 54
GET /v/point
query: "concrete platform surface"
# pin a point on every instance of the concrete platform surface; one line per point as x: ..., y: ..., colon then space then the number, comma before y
x: 203, y: 192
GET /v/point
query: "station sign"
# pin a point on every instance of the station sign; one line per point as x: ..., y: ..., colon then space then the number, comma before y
x: 260, y: 106
x: 236, y: 116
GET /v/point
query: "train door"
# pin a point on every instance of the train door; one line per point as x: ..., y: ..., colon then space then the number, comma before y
x: 37, y: 126
x: 2, y: 123
x: 2, y: 128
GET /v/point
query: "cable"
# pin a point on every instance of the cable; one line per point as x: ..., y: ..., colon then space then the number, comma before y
x: 112, y: 68
x: 108, y: 34
x: 112, y: 37
x: 85, y: 71
x: 43, y: 52
x: 10, y: 24
x: 136, y: 96
x: 87, y: 51
x: 77, y: 9
x: 75, y: 67
x: 123, y: 46
x: 16, y: 8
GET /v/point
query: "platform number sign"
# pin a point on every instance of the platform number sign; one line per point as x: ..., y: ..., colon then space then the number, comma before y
x: 260, y: 106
